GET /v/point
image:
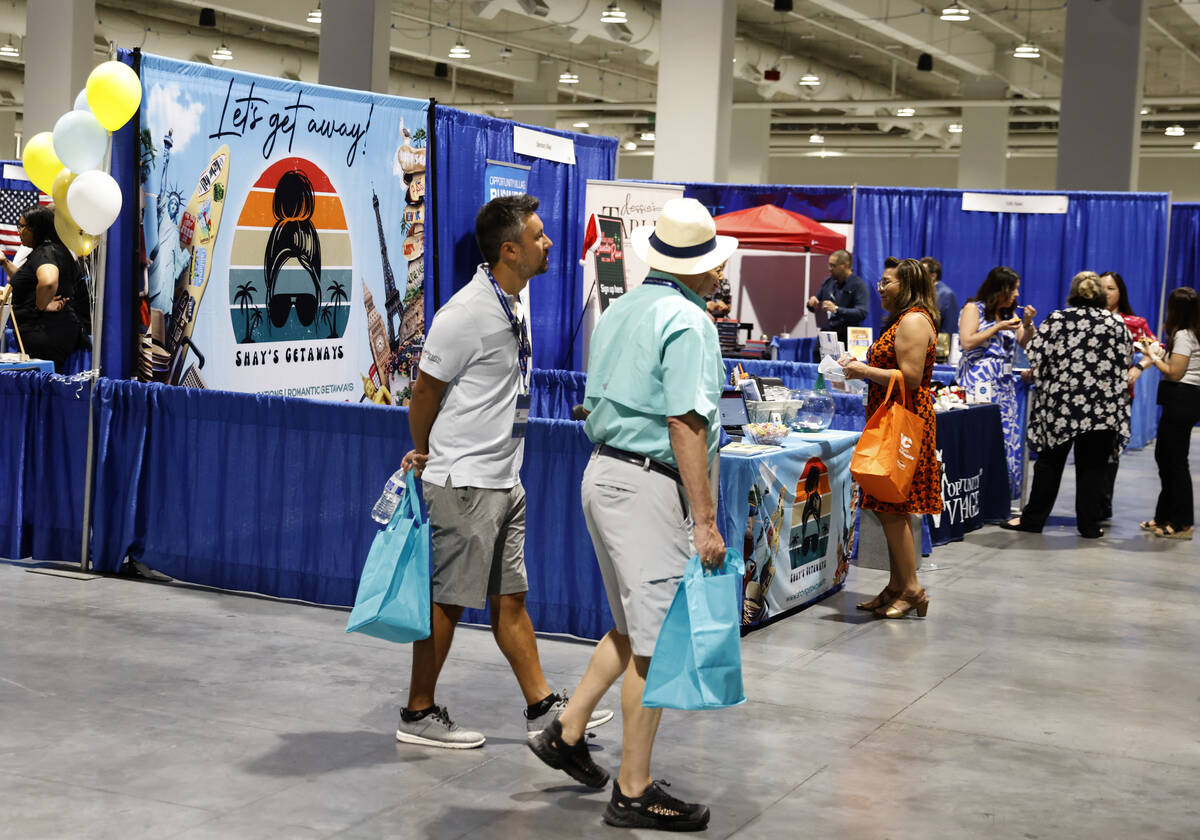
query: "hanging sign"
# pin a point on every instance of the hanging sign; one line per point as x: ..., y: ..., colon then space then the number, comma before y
x: 284, y: 225
x: 500, y: 178
x: 1009, y: 203
x: 539, y: 144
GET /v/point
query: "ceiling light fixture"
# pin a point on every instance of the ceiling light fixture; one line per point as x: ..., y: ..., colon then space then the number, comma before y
x: 630, y: 146
x: 581, y: 124
x: 613, y: 14
x: 1196, y: 147
x: 222, y: 53
x: 9, y: 50
x: 809, y: 79
x: 816, y: 138
x: 459, y: 50
x: 648, y: 136
x: 1027, y: 50
x: 955, y: 12
x: 954, y: 128
x: 566, y: 77
x: 314, y: 16
x: 905, y: 112
x: 1174, y: 130
x: 1144, y: 111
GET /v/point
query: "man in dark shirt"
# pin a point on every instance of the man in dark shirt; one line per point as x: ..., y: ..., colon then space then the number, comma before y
x: 843, y: 296
x: 946, y: 299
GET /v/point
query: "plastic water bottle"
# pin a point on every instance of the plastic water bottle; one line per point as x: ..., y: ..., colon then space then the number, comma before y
x: 389, y: 498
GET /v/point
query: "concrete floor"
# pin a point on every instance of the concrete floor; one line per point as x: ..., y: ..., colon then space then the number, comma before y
x: 1051, y: 693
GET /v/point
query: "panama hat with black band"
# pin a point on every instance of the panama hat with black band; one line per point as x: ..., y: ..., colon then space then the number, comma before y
x: 684, y: 240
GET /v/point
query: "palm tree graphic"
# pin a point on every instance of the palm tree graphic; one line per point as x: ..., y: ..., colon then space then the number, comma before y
x: 245, y: 296
x: 329, y: 318
x: 256, y: 319
x: 337, y: 294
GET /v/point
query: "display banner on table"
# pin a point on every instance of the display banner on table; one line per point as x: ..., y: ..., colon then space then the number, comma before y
x: 970, y: 447
x: 796, y: 507
x: 285, y: 228
x: 500, y: 178
x: 634, y: 204
x: 610, y: 260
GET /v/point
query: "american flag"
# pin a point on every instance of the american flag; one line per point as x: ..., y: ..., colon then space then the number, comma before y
x: 16, y: 196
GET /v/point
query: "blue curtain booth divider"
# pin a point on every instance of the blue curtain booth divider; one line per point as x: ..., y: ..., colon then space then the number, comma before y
x: 554, y: 392
x: 42, y: 466
x: 821, y: 203
x: 1122, y: 232
x: 463, y: 143
x: 1183, y: 260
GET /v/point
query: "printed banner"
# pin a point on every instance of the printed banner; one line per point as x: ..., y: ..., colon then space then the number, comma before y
x: 970, y: 447
x: 284, y: 228
x: 795, y: 509
x: 501, y: 178
x: 610, y: 260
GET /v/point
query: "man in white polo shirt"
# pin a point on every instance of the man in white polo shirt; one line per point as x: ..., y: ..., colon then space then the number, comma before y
x: 467, y: 418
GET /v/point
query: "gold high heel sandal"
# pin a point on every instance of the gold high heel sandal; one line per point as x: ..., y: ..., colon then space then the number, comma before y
x: 879, y: 601
x: 901, y: 607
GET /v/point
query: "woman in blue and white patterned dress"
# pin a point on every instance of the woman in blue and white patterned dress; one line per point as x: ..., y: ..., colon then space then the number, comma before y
x: 989, y: 331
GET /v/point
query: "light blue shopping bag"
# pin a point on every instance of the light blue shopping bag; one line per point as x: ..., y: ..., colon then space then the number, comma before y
x: 697, y: 662
x: 393, y: 593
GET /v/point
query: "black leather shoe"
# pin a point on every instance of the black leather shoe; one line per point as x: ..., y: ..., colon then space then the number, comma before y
x: 1008, y: 526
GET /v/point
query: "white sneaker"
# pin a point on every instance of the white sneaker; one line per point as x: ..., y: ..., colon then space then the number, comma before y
x: 437, y: 730
x: 535, y: 725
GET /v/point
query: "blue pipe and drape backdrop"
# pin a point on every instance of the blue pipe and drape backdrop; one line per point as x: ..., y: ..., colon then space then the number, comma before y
x: 821, y: 204
x: 1183, y: 264
x: 1101, y: 231
x: 463, y: 144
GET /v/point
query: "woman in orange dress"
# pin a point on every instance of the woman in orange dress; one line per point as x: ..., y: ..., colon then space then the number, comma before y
x: 908, y: 344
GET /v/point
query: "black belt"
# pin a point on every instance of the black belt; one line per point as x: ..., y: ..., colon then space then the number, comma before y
x: 643, y: 461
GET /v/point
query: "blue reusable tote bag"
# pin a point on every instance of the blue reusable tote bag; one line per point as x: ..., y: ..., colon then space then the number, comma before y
x: 393, y: 593
x: 697, y: 662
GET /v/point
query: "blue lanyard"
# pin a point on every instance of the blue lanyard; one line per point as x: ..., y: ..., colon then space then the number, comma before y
x: 655, y: 281
x: 524, y: 350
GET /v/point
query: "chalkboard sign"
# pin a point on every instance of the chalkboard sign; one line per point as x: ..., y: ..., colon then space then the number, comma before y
x: 610, y: 260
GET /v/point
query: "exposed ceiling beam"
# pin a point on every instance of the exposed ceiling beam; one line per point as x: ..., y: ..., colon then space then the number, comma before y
x: 841, y: 104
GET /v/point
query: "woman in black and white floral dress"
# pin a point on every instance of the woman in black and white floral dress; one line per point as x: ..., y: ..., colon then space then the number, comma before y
x: 1080, y: 358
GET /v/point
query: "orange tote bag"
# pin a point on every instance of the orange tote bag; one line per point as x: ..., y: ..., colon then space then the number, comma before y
x: 886, y: 456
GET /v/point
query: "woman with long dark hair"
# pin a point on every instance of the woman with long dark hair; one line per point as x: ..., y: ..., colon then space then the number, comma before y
x: 42, y: 289
x: 1080, y: 356
x: 989, y: 331
x: 1117, y: 302
x: 908, y: 344
x: 1179, y: 395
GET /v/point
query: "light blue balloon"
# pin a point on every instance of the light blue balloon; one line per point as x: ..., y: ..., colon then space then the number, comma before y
x: 81, y: 101
x: 80, y: 141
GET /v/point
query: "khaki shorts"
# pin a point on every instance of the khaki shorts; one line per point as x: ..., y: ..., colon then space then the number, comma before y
x: 641, y: 528
x: 478, y: 543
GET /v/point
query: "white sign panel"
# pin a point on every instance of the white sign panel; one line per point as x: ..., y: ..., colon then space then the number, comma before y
x: 1001, y: 203
x: 635, y: 204
x: 538, y: 144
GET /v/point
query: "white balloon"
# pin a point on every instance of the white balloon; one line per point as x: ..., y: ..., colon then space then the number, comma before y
x: 81, y: 101
x: 80, y: 141
x: 94, y: 201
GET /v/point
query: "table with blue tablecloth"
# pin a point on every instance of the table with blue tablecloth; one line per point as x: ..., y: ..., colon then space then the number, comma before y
x: 791, y: 509
x: 970, y: 444
x: 27, y: 364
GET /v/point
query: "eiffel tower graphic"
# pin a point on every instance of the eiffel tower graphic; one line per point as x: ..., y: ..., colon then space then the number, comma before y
x: 393, y: 301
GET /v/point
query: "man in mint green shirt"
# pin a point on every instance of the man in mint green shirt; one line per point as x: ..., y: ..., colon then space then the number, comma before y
x: 654, y: 381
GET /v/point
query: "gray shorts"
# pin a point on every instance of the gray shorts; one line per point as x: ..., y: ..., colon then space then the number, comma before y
x: 478, y: 543
x: 641, y: 527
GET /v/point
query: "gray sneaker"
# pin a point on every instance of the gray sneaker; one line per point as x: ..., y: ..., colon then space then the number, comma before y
x: 437, y: 730
x: 535, y: 725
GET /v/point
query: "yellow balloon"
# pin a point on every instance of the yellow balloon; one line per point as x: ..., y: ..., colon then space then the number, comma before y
x: 40, y: 162
x: 113, y: 93
x: 58, y: 190
x: 80, y: 243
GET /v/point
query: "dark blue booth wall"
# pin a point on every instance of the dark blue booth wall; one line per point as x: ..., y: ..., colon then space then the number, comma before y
x: 1183, y: 262
x: 1122, y: 232
x: 463, y: 143
x: 821, y: 204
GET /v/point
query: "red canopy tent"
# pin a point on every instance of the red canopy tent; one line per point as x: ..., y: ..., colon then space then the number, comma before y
x: 771, y: 228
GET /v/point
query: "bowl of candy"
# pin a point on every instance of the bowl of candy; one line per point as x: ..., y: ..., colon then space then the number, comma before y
x: 769, y: 433
x: 815, y: 410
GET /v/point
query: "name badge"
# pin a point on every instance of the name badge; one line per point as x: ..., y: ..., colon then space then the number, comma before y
x: 522, y: 417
